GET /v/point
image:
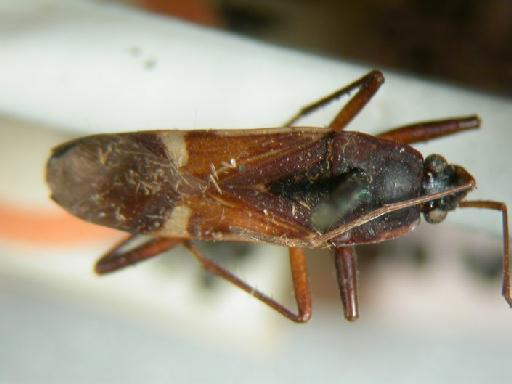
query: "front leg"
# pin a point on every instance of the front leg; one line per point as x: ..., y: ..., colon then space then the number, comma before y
x: 345, y: 261
x: 501, y: 207
x: 427, y: 130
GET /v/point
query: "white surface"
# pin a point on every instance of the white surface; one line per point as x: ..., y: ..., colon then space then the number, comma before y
x: 50, y: 337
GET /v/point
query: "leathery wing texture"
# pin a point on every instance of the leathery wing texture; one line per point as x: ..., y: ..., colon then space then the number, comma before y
x: 253, y: 185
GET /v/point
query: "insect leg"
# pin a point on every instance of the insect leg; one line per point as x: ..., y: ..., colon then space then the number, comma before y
x: 366, y: 85
x: 497, y: 206
x: 426, y: 130
x: 345, y: 261
x: 299, y: 276
x: 117, y: 257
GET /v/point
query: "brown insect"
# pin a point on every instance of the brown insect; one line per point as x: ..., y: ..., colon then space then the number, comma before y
x: 299, y: 187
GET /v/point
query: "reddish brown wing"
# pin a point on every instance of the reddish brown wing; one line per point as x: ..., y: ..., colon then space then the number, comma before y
x: 202, y: 184
x: 250, y: 156
x: 234, y: 166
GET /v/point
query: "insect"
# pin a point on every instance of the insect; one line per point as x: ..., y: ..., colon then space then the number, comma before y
x: 299, y: 187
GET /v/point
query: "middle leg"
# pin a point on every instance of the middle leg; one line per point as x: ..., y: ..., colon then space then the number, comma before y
x: 366, y: 87
x: 299, y: 277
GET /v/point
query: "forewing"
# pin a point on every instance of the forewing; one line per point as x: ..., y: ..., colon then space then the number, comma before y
x: 125, y: 181
x: 145, y: 181
x: 236, y: 166
x: 250, y: 156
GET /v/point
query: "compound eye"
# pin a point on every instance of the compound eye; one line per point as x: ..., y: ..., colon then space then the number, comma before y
x: 435, y: 215
x: 435, y: 163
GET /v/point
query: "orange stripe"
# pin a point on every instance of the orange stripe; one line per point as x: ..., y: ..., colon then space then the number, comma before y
x: 39, y: 227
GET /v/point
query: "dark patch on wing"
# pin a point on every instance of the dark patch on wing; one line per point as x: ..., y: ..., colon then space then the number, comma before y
x: 151, y: 143
x: 121, y: 181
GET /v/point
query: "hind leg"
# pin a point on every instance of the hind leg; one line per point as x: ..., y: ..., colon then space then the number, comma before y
x: 119, y: 257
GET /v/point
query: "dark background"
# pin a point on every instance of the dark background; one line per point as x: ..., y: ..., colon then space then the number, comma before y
x: 464, y: 42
